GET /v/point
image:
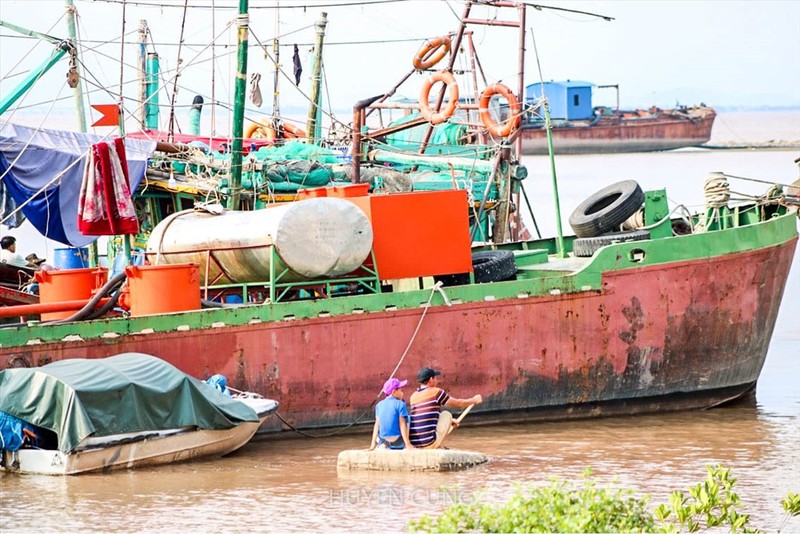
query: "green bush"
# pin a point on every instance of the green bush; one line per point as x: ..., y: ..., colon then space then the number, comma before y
x: 559, y: 507
x: 563, y: 507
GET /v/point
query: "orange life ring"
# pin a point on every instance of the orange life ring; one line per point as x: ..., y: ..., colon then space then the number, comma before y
x: 427, y: 112
x: 432, y: 52
x: 260, y: 130
x: 503, y: 129
x: 290, y: 131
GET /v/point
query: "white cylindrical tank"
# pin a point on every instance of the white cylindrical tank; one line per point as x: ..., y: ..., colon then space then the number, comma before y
x: 314, y: 238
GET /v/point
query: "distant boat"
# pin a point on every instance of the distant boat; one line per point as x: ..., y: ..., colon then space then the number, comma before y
x: 578, y: 127
x: 76, y: 416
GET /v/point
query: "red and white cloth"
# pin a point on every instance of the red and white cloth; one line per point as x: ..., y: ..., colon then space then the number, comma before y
x: 105, y: 205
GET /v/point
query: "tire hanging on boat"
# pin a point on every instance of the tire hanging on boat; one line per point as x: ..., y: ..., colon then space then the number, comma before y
x: 584, y: 247
x: 432, y: 52
x: 487, y: 266
x: 503, y: 129
x: 607, y: 209
x: 425, y: 109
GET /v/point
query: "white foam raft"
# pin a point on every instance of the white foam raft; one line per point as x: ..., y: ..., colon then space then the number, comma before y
x: 410, y: 460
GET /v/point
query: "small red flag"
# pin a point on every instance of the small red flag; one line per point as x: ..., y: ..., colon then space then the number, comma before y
x: 110, y: 115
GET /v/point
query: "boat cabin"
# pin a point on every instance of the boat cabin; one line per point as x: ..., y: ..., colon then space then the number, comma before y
x: 569, y: 100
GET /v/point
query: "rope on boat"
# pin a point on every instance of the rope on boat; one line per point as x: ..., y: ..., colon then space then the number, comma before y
x: 436, y: 288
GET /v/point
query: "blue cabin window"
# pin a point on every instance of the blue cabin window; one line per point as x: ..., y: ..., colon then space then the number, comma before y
x: 576, y: 100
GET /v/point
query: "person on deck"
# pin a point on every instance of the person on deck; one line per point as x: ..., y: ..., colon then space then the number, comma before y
x: 391, y: 418
x: 35, y: 262
x: 430, y: 425
x: 8, y: 252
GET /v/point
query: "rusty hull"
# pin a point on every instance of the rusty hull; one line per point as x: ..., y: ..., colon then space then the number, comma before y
x: 682, y: 335
x: 612, y: 135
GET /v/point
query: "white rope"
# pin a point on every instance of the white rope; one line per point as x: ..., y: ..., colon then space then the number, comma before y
x: 717, y: 190
x: 434, y: 289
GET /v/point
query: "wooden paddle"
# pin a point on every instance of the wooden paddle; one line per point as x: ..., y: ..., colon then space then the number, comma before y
x: 460, y: 418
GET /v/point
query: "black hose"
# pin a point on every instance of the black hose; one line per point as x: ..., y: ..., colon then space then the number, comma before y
x: 88, y: 308
x: 105, y: 308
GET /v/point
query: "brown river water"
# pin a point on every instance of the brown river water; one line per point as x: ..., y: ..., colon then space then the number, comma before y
x: 288, y: 485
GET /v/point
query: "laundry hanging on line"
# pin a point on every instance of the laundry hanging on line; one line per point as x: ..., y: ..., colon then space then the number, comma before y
x: 105, y: 205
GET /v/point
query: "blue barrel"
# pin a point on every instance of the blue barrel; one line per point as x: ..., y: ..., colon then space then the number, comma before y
x: 71, y: 258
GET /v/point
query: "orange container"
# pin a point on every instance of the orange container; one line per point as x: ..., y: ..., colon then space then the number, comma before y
x: 163, y: 288
x: 348, y: 191
x: 423, y: 233
x: 69, y: 284
x: 303, y: 194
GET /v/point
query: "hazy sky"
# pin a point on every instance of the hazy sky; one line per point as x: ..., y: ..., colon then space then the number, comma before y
x: 722, y: 53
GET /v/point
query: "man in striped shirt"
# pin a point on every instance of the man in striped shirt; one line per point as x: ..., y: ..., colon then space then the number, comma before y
x: 429, y: 425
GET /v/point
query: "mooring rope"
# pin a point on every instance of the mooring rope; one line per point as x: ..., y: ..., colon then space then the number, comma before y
x: 717, y: 190
x: 436, y: 288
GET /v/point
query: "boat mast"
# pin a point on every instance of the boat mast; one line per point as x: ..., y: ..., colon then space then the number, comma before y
x: 242, y: 23
x: 312, y: 125
x: 73, y: 67
x: 276, y: 51
x: 142, y: 64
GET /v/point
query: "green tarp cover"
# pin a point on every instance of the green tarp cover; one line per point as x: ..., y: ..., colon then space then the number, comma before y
x: 130, y: 392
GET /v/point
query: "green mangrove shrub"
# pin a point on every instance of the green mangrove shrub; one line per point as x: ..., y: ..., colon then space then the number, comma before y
x: 562, y: 506
x: 558, y: 507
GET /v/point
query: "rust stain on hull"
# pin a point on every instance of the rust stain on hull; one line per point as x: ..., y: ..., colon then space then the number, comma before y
x: 646, y: 335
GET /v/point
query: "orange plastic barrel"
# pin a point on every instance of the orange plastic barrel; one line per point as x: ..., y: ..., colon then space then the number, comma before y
x: 163, y: 288
x: 69, y: 284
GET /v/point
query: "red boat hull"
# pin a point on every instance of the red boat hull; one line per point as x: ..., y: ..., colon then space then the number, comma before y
x: 611, y: 135
x: 672, y: 336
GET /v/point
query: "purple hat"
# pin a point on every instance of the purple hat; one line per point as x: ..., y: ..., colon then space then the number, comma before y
x: 392, y: 384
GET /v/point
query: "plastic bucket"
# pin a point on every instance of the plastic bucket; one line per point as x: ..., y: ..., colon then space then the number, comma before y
x: 71, y: 258
x: 70, y: 284
x: 158, y: 289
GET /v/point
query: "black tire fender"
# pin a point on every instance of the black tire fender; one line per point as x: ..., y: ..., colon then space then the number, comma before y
x: 583, y: 247
x: 488, y: 266
x: 608, y: 208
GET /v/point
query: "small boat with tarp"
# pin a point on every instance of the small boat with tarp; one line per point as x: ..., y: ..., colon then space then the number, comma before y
x: 130, y: 410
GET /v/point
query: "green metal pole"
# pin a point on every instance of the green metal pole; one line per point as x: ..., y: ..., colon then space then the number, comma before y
x: 560, y: 233
x: 313, y: 124
x: 242, y: 22
x: 94, y: 253
x: 8, y: 100
x: 78, y: 91
x: 151, y: 91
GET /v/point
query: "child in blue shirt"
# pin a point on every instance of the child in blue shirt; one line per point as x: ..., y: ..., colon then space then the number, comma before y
x: 391, y: 418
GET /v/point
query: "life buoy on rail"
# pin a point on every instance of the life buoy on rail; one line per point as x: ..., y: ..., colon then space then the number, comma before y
x: 503, y: 129
x: 432, y: 52
x: 290, y: 131
x: 424, y: 107
x: 260, y: 130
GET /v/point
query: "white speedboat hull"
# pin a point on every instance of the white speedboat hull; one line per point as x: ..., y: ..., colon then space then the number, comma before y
x: 138, y: 449
x: 153, y: 449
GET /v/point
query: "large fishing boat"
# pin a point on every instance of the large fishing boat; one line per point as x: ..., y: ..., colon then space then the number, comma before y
x: 421, y: 259
x: 578, y: 127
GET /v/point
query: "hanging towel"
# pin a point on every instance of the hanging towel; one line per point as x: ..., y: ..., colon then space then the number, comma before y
x: 255, y: 90
x: 105, y: 206
x: 298, y: 68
